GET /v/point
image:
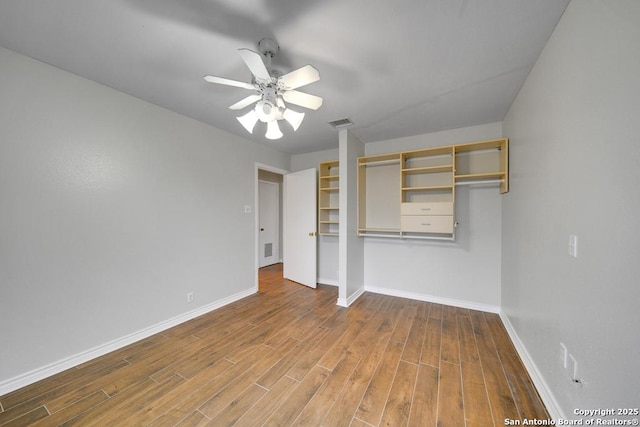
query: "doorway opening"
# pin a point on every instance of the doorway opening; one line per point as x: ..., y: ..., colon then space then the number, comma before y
x: 294, y: 244
x: 269, y: 212
x: 274, y: 177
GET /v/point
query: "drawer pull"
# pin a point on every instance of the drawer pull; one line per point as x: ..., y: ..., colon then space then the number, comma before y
x: 424, y: 224
x: 425, y: 209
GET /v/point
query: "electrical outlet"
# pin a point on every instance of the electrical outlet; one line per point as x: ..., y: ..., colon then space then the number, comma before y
x: 574, y: 370
x: 190, y: 297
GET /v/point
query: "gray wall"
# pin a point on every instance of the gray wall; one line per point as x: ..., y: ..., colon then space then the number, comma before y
x: 465, y: 272
x: 112, y: 209
x: 351, y: 247
x: 575, y: 169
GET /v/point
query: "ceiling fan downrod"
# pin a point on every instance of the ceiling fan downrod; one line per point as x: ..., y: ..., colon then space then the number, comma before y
x: 268, y: 48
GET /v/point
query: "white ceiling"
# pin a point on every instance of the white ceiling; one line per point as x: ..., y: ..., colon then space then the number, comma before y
x: 396, y: 68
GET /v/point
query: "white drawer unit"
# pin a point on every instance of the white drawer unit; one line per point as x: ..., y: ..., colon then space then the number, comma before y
x: 432, y: 208
x: 426, y: 224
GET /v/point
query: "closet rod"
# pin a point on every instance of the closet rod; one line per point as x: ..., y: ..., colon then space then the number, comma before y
x: 398, y: 236
x: 380, y: 162
x: 390, y: 236
x: 452, y: 238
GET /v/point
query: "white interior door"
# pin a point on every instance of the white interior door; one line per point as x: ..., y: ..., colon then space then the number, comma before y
x: 268, y: 221
x: 299, y: 222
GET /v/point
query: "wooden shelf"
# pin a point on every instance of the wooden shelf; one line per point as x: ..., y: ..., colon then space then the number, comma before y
x: 328, y: 189
x: 379, y: 159
x: 431, y: 188
x: 482, y: 145
x: 426, y: 177
x: 480, y: 176
x: 483, y: 160
x: 428, y: 152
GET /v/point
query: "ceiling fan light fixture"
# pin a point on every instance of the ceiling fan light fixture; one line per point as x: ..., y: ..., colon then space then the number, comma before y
x: 248, y: 121
x: 293, y: 117
x: 266, y: 111
x: 271, y: 89
x: 273, y: 130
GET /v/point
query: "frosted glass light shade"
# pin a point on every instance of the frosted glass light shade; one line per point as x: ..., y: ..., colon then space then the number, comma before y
x: 249, y: 120
x: 273, y: 130
x: 293, y: 117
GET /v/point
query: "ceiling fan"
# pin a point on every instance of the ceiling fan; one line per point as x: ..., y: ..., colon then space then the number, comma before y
x: 271, y: 90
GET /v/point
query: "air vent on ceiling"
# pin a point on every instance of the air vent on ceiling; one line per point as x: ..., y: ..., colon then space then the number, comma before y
x: 341, y: 123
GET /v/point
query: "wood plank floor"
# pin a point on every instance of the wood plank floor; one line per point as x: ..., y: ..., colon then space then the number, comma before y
x: 289, y: 356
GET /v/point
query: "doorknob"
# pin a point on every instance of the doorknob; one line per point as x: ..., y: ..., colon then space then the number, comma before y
x: 261, y: 229
x: 312, y: 233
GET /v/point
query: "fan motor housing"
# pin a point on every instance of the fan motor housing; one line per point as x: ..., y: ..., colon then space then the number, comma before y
x: 268, y: 47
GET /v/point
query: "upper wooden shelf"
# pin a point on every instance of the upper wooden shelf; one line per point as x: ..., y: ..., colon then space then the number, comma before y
x: 480, y: 176
x: 428, y: 152
x: 482, y: 145
x: 430, y: 188
x: 379, y: 158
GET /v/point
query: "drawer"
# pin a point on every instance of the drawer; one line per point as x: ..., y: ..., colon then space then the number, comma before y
x: 426, y: 224
x: 433, y: 208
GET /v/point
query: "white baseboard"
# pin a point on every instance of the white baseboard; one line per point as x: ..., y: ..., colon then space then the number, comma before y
x: 43, y: 372
x: 538, y: 380
x: 430, y: 298
x: 329, y: 282
x: 346, y: 302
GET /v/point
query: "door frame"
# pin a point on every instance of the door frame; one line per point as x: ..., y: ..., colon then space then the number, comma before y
x: 256, y: 219
x: 277, y: 256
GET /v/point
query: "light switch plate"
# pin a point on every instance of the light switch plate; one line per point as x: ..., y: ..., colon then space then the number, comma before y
x: 573, y: 245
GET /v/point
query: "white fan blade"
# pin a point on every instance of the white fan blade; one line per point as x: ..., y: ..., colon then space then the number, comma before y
x: 255, y: 63
x: 300, y: 77
x: 246, y: 102
x: 273, y: 130
x: 293, y: 117
x: 303, y: 99
x: 249, y: 120
x: 228, y: 82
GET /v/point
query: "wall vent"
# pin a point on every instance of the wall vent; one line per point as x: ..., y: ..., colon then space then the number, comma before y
x: 341, y: 123
x: 268, y: 250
